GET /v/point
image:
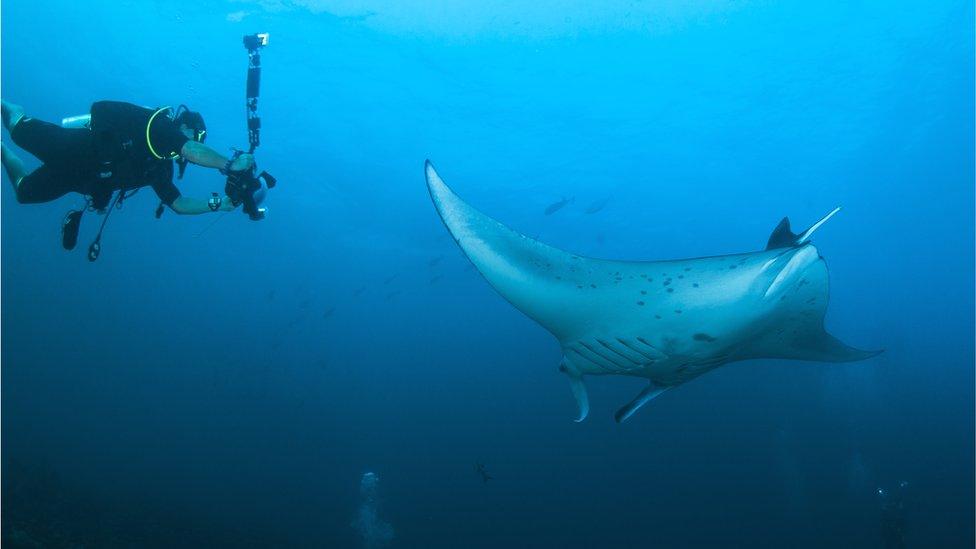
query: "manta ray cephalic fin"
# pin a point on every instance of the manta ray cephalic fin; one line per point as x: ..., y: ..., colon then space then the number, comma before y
x: 579, y: 390
x: 582, y: 400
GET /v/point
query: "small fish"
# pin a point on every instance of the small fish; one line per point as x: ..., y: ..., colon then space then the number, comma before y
x: 359, y: 291
x: 270, y: 295
x: 433, y: 262
x: 436, y: 278
x: 298, y: 319
x: 328, y: 312
x: 597, y: 206
x: 390, y: 296
x: 306, y: 302
x: 556, y: 206
x: 480, y: 468
x: 391, y: 278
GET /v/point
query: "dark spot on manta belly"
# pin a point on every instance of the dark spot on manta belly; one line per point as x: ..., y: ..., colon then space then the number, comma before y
x: 732, y: 266
x: 677, y: 311
x: 703, y: 337
x: 695, y: 284
x: 670, y: 290
x: 641, y: 303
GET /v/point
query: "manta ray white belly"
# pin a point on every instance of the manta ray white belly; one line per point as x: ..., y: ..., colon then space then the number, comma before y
x: 666, y: 321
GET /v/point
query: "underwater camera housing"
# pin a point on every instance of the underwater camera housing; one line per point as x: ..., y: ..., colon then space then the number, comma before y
x: 249, y: 189
x: 255, y: 41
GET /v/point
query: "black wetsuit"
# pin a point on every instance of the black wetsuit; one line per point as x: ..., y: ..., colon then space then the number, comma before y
x: 126, y: 147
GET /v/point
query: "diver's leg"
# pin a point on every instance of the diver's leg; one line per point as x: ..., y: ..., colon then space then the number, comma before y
x: 46, y: 184
x: 11, y: 114
x: 13, y: 166
x: 67, y: 149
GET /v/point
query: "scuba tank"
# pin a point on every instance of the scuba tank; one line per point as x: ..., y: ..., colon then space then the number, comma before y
x: 83, y: 122
x: 80, y: 121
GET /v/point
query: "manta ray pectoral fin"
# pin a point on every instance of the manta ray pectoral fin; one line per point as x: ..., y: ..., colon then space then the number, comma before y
x: 807, y: 341
x: 649, y: 393
x: 532, y: 276
x: 784, y: 237
x: 820, y: 346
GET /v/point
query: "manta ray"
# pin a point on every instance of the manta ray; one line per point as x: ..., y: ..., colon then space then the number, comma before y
x: 666, y: 321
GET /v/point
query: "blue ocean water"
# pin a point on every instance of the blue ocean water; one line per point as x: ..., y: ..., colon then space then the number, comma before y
x: 232, y: 384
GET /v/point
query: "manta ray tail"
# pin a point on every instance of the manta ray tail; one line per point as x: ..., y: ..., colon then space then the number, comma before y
x: 784, y: 237
x: 649, y: 393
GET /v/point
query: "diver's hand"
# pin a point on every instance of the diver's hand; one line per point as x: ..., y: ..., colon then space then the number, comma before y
x: 227, y: 205
x: 242, y: 163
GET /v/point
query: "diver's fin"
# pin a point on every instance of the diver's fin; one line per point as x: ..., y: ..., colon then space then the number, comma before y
x: 784, y: 237
x: 652, y: 390
x: 582, y: 400
x: 69, y: 229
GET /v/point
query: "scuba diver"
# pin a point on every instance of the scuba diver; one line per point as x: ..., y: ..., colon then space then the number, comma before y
x: 120, y: 147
